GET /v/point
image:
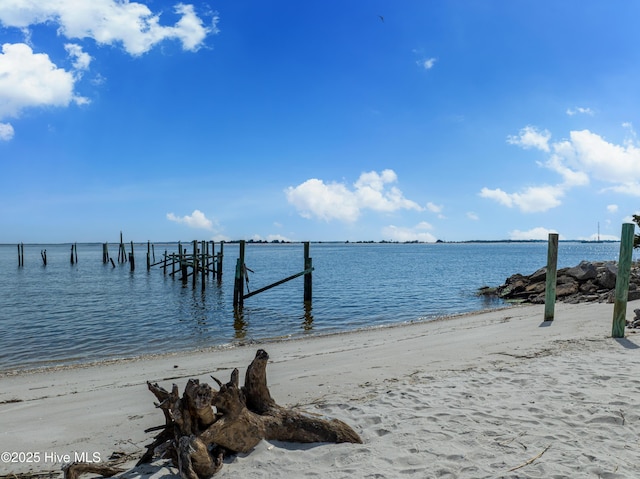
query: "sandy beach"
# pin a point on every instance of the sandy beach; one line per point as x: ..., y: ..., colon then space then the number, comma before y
x: 492, y: 394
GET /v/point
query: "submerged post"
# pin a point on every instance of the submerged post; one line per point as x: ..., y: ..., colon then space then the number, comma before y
x: 238, y: 286
x: 195, y: 262
x: 551, y: 277
x: 122, y: 255
x: 622, y: 281
x: 308, y: 281
x: 132, y: 258
x: 203, y: 264
x: 219, y: 263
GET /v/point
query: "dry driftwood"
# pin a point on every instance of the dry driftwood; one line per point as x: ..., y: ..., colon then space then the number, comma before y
x: 203, y: 425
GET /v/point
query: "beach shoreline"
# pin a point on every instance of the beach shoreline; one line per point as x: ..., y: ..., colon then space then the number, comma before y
x: 404, y: 388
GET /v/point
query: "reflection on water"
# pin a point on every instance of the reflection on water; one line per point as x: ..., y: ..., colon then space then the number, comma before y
x: 239, y: 324
x: 307, y: 323
x: 61, y: 313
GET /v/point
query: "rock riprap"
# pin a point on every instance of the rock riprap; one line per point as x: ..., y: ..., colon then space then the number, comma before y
x: 586, y: 282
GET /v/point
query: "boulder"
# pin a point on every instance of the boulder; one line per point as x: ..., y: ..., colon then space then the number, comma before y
x: 607, y: 275
x: 584, y: 271
x: 588, y: 281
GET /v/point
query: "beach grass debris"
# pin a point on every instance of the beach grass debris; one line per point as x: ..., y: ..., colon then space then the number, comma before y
x: 530, y: 461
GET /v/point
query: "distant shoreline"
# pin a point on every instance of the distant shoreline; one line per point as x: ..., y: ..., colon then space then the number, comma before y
x: 276, y: 242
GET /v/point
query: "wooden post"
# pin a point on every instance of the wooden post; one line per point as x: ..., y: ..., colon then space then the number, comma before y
x: 43, y: 254
x: 71, y: 253
x: 622, y: 281
x: 195, y: 262
x: 122, y: 255
x: 551, y: 277
x: 212, y: 259
x: 105, y: 253
x: 238, y: 287
x: 308, y: 281
x: 21, y: 254
x: 183, y: 265
x: 203, y: 264
x: 148, y: 255
x: 75, y: 249
x: 164, y: 264
x: 132, y: 258
x: 219, y: 263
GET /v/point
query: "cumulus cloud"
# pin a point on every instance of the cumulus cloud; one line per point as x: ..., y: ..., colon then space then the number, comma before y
x: 427, y: 63
x: 472, y: 216
x: 530, y: 200
x: 580, y: 111
x: 328, y: 201
x: 419, y: 232
x: 538, y: 233
x: 29, y: 79
x: 582, y: 158
x: 612, y: 208
x: 197, y: 219
x: 436, y: 209
x: 108, y: 22
x: 6, y: 131
x: 531, y: 137
x: 80, y: 59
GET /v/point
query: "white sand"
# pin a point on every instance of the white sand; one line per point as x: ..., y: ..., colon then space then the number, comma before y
x: 468, y: 397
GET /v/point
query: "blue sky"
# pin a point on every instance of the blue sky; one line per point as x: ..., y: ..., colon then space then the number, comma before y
x: 318, y: 120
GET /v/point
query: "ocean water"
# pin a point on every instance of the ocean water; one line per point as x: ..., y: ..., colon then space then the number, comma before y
x: 66, y: 314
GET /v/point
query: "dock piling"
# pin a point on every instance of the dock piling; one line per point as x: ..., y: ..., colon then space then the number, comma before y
x: 622, y: 281
x: 551, y: 278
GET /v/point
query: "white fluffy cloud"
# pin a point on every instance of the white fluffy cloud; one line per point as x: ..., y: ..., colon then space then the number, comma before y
x: 420, y: 232
x: 81, y: 59
x: 29, y: 79
x: 197, y: 219
x: 531, y: 137
x: 6, y: 131
x: 108, y: 22
x: 427, y: 63
x: 530, y: 200
x: 579, y: 160
x: 538, y: 233
x: 580, y: 110
x: 327, y: 201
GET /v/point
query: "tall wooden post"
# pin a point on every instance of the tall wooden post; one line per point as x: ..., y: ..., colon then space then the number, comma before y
x: 105, y: 253
x: 132, y: 259
x: 238, y: 287
x: 164, y: 263
x: 148, y: 255
x: 622, y: 281
x: 551, y: 278
x: 21, y: 254
x: 219, y: 263
x: 195, y: 262
x: 183, y: 265
x: 308, y: 281
x: 203, y: 264
x: 71, y: 253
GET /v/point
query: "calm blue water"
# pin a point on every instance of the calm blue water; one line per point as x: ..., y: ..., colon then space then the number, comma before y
x: 64, y: 314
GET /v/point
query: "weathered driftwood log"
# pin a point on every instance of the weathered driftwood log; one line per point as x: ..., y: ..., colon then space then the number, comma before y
x: 196, y: 439
x: 76, y: 469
